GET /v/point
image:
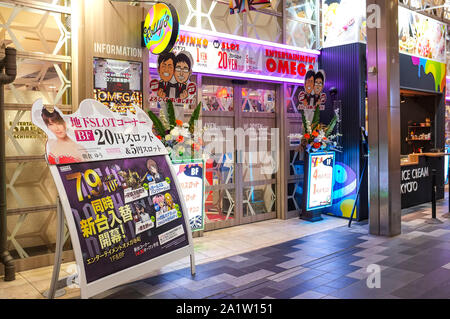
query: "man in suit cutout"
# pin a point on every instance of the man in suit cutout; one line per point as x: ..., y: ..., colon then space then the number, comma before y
x: 183, y: 71
x: 166, y: 69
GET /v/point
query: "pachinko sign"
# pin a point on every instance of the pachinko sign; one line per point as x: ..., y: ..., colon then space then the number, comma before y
x: 118, y: 191
x: 222, y: 54
x: 161, y: 27
x: 95, y: 133
x: 116, y: 230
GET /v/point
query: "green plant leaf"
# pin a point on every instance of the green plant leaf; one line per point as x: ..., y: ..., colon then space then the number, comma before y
x: 315, y: 122
x: 159, y: 127
x: 331, y: 126
x: 194, y: 117
x: 171, y: 114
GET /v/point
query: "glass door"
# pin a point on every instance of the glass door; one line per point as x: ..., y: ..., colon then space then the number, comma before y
x: 259, y: 160
x: 241, y: 172
x: 218, y: 117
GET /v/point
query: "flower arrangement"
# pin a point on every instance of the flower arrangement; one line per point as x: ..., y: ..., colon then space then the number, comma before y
x: 181, y: 140
x: 317, y: 136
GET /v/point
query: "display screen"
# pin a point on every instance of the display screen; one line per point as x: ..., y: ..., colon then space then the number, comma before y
x: 126, y: 211
x: 118, y: 84
x: 320, y: 180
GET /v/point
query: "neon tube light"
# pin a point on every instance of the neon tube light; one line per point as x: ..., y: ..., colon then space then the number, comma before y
x: 248, y: 40
x: 244, y: 75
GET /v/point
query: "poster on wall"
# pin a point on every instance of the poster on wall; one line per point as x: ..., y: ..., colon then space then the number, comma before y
x: 320, y: 180
x: 421, y: 36
x: 124, y: 215
x: 118, y: 85
x: 119, y: 193
x: 344, y: 22
x: 191, y: 179
x: 240, y: 6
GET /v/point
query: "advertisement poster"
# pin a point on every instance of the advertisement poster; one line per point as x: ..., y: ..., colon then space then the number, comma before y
x: 312, y: 95
x: 118, y: 85
x: 190, y: 177
x: 421, y: 36
x: 320, y: 180
x: 115, y: 229
x: 221, y: 54
x: 95, y: 133
x: 344, y: 22
x: 173, y: 81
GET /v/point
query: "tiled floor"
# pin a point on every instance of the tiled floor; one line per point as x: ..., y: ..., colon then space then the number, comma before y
x: 293, y: 259
x: 212, y: 246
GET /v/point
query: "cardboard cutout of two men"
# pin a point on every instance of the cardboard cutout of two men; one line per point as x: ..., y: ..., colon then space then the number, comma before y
x: 174, y: 72
x: 313, y: 94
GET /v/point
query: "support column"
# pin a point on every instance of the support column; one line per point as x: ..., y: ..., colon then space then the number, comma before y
x: 384, y: 117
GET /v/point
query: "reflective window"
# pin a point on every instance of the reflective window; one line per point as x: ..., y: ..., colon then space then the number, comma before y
x: 219, y: 205
x: 259, y: 200
x: 258, y: 100
x: 217, y: 98
x: 301, y: 9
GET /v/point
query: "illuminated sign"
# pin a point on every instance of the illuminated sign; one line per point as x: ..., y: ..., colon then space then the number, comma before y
x: 161, y: 28
x: 228, y: 55
x: 118, y: 84
x: 190, y: 176
x: 320, y: 180
x: 421, y: 36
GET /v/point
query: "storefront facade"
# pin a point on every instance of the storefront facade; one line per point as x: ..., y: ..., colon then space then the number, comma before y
x: 236, y: 192
x: 74, y: 47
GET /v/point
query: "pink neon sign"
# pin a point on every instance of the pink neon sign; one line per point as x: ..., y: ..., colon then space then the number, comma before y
x: 222, y: 54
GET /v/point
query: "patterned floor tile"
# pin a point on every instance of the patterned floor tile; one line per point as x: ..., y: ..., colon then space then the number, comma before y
x: 324, y: 265
x: 310, y: 295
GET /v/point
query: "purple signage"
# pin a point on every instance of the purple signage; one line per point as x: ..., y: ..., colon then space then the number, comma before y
x: 126, y: 211
x: 235, y: 56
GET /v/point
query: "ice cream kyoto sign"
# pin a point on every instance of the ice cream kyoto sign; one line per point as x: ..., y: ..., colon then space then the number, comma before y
x: 223, y: 54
